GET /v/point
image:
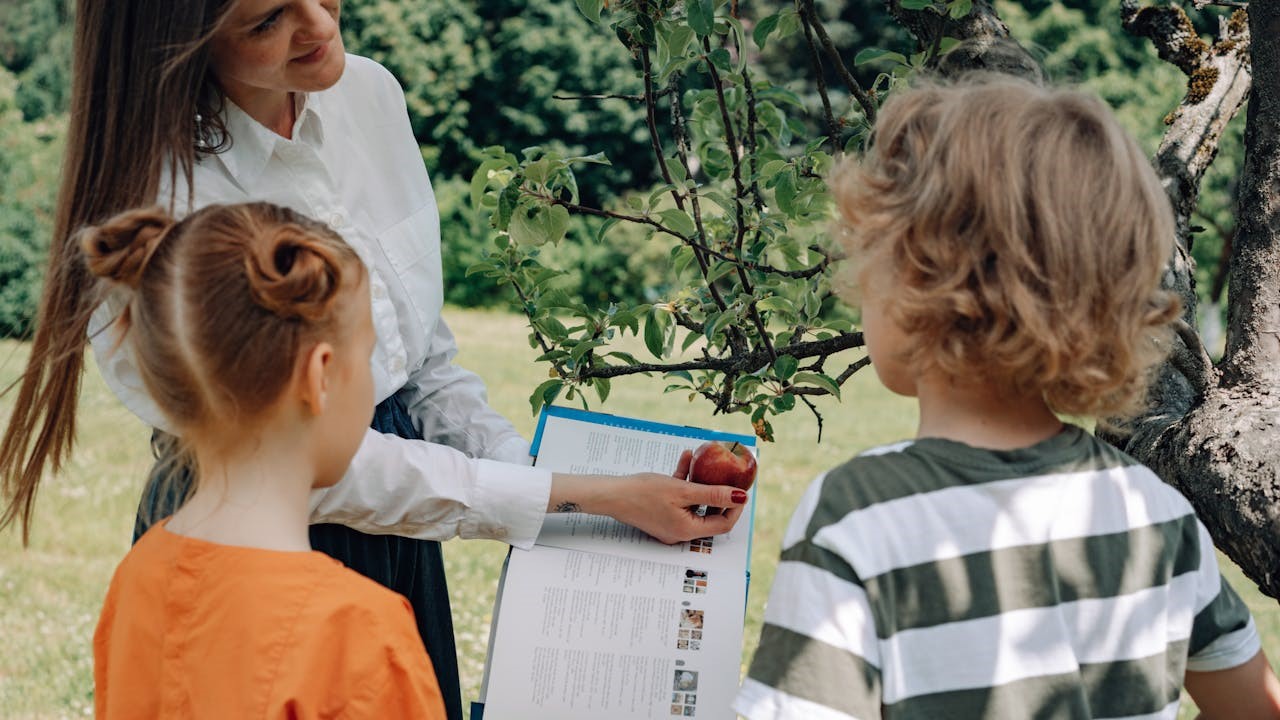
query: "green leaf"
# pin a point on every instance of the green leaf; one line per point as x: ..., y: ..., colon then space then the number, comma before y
x: 916, y: 4
x: 812, y: 305
x: 744, y: 386
x: 655, y: 332
x: 604, y: 228
x: 508, y: 201
x: 776, y: 303
x: 788, y: 25
x: 784, y: 403
x: 959, y: 8
x: 603, y: 385
x: 525, y: 226
x: 680, y: 221
x: 481, y: 267
x: 480, y: 180
x: 764, y: 28
x: 553, y: 328
x: 785, y: 366
x: 784, y: 191
x: 770, y: 169
x: 591, y: 9
x: 538, y: 171
x: 720, y: 58
x: 582, y: 348
x: 545, y: 394
x: 557, y: 223
x: 717, y: 324
x: 679, y: 40
x: 719, y: 270
x: 817, y: 379
x: 594, y: 159
x: 684, y: 257
x: 870, y: 55
x: 702, y: 16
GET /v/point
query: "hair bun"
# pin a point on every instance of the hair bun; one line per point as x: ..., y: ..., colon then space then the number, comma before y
x: 120, y: 248
x: 292, y: 275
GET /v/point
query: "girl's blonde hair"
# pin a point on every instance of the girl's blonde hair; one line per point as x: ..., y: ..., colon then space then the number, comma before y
x: 1019, y: 235
x: 218, y: 309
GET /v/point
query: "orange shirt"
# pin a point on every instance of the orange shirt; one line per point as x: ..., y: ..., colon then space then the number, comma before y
x: 193, y: 629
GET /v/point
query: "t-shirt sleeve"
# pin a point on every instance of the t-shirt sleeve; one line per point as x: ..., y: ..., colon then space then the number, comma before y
x: 818, y: 657
x: 1222, y: 634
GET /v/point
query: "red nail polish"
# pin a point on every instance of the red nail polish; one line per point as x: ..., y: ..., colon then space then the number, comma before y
x: 738, y: 497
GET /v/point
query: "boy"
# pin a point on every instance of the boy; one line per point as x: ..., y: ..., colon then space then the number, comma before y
x: 1009, y: 241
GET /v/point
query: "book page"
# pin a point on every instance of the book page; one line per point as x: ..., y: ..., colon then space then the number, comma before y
x: 601, y: 636
x: 577, y: 446
x: 599, y: 620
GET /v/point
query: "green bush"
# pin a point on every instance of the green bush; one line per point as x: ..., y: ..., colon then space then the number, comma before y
x: 629, y: 267
x: 28, y: 184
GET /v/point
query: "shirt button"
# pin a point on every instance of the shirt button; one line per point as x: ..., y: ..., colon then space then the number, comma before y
x: 397, y: 364
x: 337, y: 220
x: 379, y: 291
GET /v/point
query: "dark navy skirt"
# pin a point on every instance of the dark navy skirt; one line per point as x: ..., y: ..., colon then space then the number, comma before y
x: 413, y: 568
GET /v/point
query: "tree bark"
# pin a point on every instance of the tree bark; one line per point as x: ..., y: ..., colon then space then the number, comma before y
x: 1216, y: 437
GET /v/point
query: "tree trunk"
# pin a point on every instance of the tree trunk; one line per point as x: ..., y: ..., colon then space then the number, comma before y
x: 1214, y: 433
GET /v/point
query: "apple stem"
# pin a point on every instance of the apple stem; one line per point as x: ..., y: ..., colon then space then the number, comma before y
x: 734, y: 449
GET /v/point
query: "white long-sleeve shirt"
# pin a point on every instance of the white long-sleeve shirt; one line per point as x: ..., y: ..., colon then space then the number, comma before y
x: 354, y: 164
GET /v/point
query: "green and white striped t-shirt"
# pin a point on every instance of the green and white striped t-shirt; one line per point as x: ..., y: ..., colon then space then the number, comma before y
x: 934, y: 580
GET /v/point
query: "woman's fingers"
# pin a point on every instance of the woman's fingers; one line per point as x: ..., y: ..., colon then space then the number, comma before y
x: 715, y: 495
x: 663, y: 506
x: 683, y: 464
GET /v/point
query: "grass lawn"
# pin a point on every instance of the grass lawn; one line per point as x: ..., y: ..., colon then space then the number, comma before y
x: 50, y: 593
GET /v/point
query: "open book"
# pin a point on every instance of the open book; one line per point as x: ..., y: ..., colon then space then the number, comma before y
x: 599, y: 620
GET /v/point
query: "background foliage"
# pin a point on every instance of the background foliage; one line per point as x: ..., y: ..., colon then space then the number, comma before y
x: 484, y: 73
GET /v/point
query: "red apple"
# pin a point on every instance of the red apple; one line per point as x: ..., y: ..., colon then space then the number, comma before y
x: 723, y: 463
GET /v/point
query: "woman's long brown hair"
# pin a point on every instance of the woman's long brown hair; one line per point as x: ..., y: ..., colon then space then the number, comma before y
x: 142, y: 101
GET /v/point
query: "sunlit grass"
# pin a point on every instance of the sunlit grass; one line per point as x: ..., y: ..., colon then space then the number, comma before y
x: 50, y: 593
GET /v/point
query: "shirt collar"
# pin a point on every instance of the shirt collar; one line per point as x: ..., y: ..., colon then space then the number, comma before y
x: 252, y: 144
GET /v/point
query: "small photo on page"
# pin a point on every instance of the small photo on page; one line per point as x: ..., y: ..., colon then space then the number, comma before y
x: 686, y: 682
x: 701, y: 545
x: 689, y: 639
x: 691, y: 619
x: 684, y: 701
x: 695, y: 581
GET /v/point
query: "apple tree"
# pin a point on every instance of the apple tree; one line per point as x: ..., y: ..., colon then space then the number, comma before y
x: 742, y: 207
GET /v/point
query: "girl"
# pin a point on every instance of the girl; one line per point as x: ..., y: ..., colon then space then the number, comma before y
x: 250, y: 327
x: 214, y: 101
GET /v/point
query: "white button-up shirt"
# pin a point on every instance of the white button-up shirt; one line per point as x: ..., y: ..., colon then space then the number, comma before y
x: 354, y: 164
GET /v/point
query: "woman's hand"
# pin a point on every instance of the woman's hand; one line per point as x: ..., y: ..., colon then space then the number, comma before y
x: 662, y: 505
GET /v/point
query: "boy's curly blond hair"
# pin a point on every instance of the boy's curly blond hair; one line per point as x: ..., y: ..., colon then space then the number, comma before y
x: 1018, y: 234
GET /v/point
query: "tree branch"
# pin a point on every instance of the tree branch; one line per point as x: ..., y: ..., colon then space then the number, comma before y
x: 982, y: 22
x: 1192, y: 360
x: 1253, y: 296
x: 631, y: 98
x: 741, y: 364
x: 803, y: 274
x: 833, y: 129
x: 651, y: 122
x: 850, y: 82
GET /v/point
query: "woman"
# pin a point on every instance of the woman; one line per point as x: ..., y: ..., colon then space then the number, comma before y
x: 202, y: 101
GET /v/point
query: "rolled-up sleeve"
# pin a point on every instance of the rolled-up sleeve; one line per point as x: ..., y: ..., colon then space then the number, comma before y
x: 434, y: 492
